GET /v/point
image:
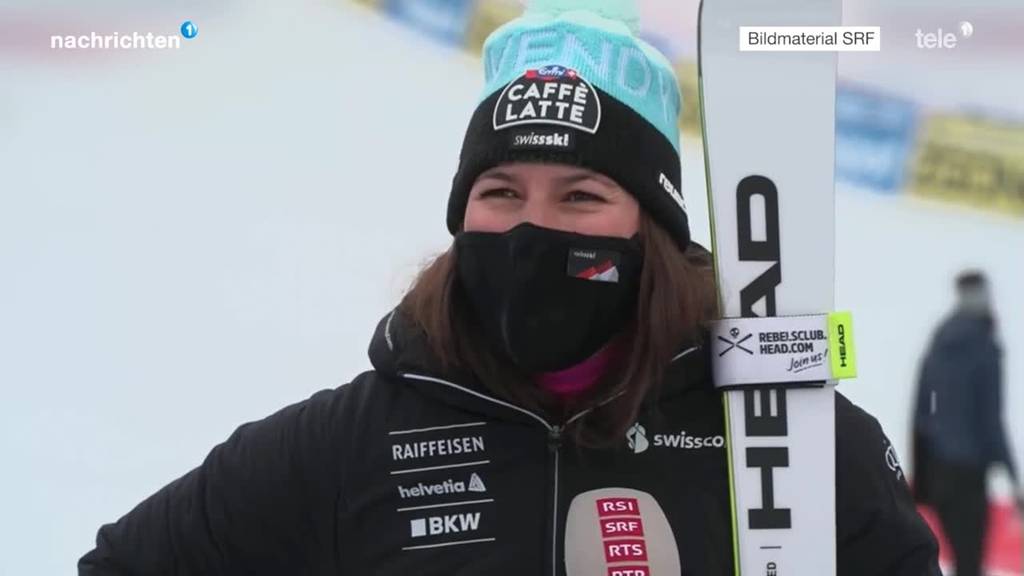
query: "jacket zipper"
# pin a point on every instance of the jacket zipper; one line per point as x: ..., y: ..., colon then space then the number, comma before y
x: 554, y: 447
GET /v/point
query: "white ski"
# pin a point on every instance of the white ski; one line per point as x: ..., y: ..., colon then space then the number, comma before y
x: 769, y: 130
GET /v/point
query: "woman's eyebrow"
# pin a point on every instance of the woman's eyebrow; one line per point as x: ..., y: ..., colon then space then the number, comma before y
x: 498, y: 175
x: 576, y: 178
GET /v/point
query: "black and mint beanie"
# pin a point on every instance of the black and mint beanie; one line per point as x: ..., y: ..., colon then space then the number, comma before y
x: 570, y: 82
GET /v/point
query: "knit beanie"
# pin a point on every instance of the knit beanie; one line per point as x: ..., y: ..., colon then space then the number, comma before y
x: 570, y: 82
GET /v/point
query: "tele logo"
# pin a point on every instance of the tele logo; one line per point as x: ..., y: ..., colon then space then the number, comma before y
x: 942, y: 39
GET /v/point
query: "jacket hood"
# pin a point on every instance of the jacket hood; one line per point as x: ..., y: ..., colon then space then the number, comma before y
x: 399, y: 347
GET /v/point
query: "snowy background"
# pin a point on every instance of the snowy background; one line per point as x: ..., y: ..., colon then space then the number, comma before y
x: 192, y: 239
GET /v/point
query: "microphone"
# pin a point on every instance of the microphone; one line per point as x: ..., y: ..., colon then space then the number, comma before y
x: 619, y: 532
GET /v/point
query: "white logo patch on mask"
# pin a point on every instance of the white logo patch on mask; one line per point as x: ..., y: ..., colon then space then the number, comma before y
x: 553, y: 95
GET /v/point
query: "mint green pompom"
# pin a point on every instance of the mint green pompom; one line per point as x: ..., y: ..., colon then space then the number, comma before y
x: 624, y: 11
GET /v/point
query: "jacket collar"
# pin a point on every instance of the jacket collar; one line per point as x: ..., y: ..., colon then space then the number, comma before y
x: 400, y: 349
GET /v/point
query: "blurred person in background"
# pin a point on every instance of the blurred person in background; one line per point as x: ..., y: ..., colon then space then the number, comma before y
x: 546, y: 371
x: 958, y: 422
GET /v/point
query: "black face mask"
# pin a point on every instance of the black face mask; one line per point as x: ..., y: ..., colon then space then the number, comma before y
x: 548, y: 299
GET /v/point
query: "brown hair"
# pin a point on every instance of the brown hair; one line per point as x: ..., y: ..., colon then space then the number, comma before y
x: 676, y: 299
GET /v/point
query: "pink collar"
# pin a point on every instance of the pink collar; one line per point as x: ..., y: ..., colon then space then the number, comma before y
x: 577, y: 379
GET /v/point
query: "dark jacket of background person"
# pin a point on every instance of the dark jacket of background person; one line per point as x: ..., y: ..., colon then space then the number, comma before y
x: 959, y: 404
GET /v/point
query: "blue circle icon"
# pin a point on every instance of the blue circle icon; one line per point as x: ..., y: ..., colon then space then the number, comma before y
x: 189, y: 30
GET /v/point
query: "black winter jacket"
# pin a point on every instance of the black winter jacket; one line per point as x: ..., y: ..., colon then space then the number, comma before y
x: 407, y: 471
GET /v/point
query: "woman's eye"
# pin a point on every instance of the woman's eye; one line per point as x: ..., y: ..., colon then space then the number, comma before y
x: 581, y: 196
x: 498, y: 193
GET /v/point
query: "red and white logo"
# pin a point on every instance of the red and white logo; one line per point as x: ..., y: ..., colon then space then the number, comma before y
x: 617, y: 507
x: 604, y: 272
x: 622, y: 531
x: 630, y: 550
x: 630, y: 529
x: 612, y: 527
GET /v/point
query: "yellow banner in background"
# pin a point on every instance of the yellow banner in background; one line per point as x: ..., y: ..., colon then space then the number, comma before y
x: 977, y: 162
x: 487, y: 17
x: 686, y: 72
